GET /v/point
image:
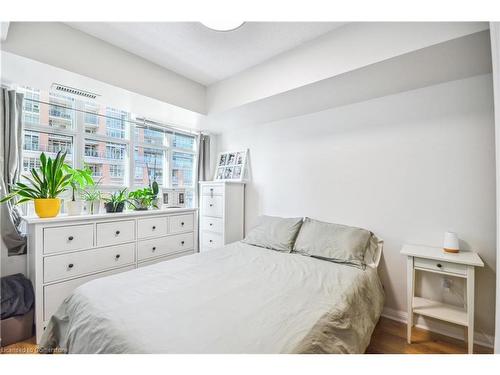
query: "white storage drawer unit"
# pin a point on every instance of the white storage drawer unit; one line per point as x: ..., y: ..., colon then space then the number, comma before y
x: 222, y: 211
x: 156, y: 226
x: 115, y: 232
x: 73, y: 237
x: 440, y: 266
x: 67, y: 251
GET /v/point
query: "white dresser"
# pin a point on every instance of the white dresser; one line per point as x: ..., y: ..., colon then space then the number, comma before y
x: 66, y: 251
x: 222, y: 213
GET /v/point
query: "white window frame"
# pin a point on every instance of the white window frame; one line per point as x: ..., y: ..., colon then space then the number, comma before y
x: 79, y: 135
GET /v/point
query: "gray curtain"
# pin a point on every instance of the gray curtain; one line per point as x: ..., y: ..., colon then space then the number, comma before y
x: 204, y: 157
x: 11, y: 107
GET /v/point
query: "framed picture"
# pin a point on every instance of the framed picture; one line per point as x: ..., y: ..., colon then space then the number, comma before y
x: 231, y: 166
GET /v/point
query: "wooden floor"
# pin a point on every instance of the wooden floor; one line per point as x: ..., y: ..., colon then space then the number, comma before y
x: 389, y: 337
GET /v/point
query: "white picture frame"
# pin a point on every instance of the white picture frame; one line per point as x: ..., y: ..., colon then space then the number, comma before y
x: 231, y: 166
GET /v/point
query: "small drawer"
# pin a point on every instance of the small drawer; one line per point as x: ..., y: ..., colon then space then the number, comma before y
x: 181, y: 223
x: 55, y: 294
x: 75, y: 264
x: 165, y: 258
x: 212, y: 206
x: 212, y: 190
x: 75, y: 237
x: 152, y: 227
x: 115, y: 232
x: 212, y: 224
x: 165, y: 245
x: 211, y: 240
x: 437, y: 265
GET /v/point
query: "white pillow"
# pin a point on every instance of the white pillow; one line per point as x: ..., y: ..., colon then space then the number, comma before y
x: 274, y: 233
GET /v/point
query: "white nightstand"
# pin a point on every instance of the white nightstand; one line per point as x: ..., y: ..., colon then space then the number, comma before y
x: 434, y: 259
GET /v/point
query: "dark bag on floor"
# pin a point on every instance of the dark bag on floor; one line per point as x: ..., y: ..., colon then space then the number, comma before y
x: 16, y: 296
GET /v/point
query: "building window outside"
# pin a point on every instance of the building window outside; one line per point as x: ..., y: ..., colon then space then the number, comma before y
x: 52, y: 123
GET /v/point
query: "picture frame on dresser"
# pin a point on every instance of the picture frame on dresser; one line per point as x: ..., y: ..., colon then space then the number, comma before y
x: 65, y: 252
x: 232, y: 166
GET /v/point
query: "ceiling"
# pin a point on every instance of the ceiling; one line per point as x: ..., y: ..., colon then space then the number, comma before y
x: 201, y: 54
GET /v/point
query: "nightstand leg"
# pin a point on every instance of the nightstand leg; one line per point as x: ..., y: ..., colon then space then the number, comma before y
x: 470, y: 309
x: 409, y: 296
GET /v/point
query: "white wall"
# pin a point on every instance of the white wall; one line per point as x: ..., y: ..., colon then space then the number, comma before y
x: 347, y: 48
x: 495, y: 52
x: 62, y: 46
x: 407, y: 166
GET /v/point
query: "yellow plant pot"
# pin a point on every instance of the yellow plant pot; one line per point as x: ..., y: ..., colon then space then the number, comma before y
x: 48, y: 207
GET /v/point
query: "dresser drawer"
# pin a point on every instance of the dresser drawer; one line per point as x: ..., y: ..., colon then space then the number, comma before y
x: 55, y: 294
x: 69, y: 238
x: 155, y: 226
x: 75, y: 264
x: 437, y: 265
x: 165, y: 258
x: 212, y: 190
x: 212, y: 224
x: 181, y: 223
x: 164, y: 245
x: 115, y: 232
x: 212, y: 206
x: 211, y: 240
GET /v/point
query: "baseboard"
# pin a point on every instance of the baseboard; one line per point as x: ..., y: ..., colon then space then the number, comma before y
x: 443, y: 328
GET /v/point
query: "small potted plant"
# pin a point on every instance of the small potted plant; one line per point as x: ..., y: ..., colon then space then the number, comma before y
x: 141, y: 199
x: 80, y: 178
x: 45, y: 186
x: 116, y: 201
x: 92, y: 198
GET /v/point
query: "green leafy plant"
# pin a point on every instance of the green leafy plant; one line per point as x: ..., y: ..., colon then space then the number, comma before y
x: 91, y: 193
x: 116, y: 200
x: 49, y: 181
x: 142, y: 199
x: 80, y: 179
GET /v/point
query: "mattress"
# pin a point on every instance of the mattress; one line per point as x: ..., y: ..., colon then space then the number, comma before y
x: 236, y: 299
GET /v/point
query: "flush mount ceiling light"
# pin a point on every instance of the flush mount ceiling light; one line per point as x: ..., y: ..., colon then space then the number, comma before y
x: 223, y: 25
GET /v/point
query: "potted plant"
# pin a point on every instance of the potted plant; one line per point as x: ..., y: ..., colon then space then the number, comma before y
x: 142, y: 199
x: 80, y: 178
x: 92, y: 198
x: 45, y: 185
x: 116, y: 201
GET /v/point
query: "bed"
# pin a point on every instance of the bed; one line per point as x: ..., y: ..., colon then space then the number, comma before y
x: 236, y: 299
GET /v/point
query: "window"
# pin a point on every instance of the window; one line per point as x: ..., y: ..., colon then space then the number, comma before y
x: 31, y: 106
x: 119, y: 152
x: 60, y: 143
x: 31, y: 141
x: 61, y: 112
x: 29, y: 163
x: 110, y: 158
x: 96, y: 169
x: 115, y: 123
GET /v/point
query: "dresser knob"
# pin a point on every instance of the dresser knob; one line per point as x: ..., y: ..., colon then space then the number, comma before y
x: 117, y: 256
x: 210, y: 241
x: 211, y: 205
x: 70, y: 265
x: 210, y: 224
x: 182, y: 223
x: 117, y: 232
x: 70, y: 238
x: 154, y: 248
x: 182, y: 242
x: 439, y: 265
x: 154, y: 227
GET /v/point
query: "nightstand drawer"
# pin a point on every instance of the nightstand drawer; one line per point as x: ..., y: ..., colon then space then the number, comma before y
x: 440, y: 266
x: 212, y: 190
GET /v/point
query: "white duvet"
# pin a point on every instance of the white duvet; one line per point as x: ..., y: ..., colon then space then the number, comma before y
x: 237, y: 299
